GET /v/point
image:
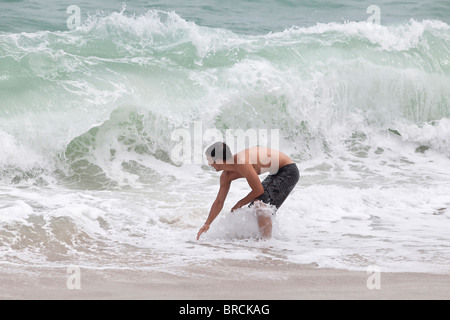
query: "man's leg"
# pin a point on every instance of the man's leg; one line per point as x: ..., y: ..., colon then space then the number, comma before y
x: 265, y: 226
x: 264, y: 217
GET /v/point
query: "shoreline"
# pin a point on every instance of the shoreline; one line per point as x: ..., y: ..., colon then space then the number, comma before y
x: 221, y: 280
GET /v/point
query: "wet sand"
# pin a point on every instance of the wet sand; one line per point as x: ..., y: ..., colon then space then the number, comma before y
x: 222, y: 280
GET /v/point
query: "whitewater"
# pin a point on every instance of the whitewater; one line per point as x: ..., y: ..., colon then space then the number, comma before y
x: 87, y: 115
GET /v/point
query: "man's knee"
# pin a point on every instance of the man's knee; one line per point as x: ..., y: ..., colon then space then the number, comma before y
x: 264, y: 209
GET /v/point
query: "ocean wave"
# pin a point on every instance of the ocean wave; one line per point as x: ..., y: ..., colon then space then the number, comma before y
x: 67, y: 95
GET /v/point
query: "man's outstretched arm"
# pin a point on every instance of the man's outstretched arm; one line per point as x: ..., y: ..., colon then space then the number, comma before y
x: 217, y: 205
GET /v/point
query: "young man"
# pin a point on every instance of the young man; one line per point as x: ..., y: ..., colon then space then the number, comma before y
x: 248, y: 164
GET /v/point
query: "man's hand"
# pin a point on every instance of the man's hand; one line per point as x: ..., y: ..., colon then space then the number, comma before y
x: 236, y: 206
x: 203, y: 229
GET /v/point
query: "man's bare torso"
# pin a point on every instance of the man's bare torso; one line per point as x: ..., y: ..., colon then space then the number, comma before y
x: 263, y: 159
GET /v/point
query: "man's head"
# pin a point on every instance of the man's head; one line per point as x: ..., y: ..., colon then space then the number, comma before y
x: 217, y: 154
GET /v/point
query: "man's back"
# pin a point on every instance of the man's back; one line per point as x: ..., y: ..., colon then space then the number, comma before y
x: 263, y: 159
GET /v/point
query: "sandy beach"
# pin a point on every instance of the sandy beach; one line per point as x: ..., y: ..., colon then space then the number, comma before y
x: 223, y: 280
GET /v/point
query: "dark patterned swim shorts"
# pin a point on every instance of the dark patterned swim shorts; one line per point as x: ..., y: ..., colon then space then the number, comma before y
x: 278, y: 186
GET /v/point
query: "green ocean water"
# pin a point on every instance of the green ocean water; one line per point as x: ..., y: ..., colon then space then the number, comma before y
x: 87, y: 117
x: 248, y: 16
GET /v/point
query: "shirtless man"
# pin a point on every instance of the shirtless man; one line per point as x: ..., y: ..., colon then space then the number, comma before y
x: 248, y: 164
